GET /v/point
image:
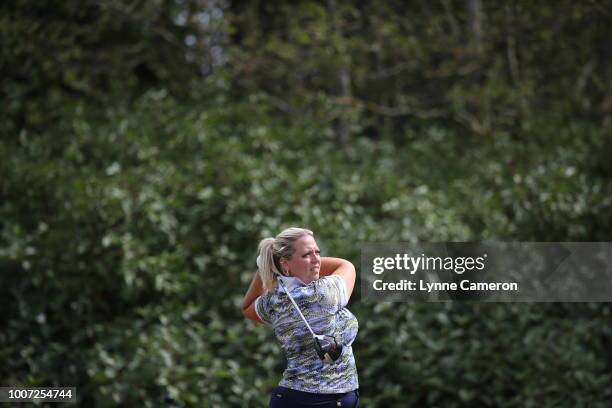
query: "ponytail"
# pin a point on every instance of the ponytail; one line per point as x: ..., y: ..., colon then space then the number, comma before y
x: 266, y: 265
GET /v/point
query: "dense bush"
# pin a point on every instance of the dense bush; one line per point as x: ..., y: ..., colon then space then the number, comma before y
x: 129, y: 242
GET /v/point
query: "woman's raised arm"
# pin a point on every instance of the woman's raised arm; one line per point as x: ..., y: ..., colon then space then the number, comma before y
x: 342, y: 268
x: 255, y: 290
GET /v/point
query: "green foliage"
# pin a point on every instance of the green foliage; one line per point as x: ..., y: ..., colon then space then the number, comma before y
x: 133, y: 195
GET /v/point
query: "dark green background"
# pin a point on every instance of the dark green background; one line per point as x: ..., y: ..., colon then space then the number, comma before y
x: 147, y: 146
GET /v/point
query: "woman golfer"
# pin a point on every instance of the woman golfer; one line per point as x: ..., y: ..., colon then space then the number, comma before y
x: 303, y: 297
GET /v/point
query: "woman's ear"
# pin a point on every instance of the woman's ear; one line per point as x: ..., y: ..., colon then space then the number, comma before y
x: 283, y: 265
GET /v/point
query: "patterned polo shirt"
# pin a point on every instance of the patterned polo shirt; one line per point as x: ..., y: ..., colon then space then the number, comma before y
x: 322, y: 303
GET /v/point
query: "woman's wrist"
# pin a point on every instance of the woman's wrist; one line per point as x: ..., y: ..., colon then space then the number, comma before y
x: 330, y: 265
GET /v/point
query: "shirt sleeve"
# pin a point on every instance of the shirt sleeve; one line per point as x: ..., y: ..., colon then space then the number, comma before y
x: 261, y: 309
x: 332, y: 292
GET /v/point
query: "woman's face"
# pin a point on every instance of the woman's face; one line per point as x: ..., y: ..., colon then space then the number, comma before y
x: 305, y: 263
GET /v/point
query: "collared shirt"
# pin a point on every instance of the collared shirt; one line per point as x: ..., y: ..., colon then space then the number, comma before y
x: 322, y: 303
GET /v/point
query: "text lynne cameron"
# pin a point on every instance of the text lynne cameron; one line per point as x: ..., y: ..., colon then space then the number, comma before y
x: 465, y: 284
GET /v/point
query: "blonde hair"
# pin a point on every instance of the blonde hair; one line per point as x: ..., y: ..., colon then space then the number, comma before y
x: 271, y: 250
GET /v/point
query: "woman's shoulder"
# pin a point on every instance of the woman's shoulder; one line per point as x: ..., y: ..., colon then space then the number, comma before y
x: 332, y: 291
x: 330, y: 283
